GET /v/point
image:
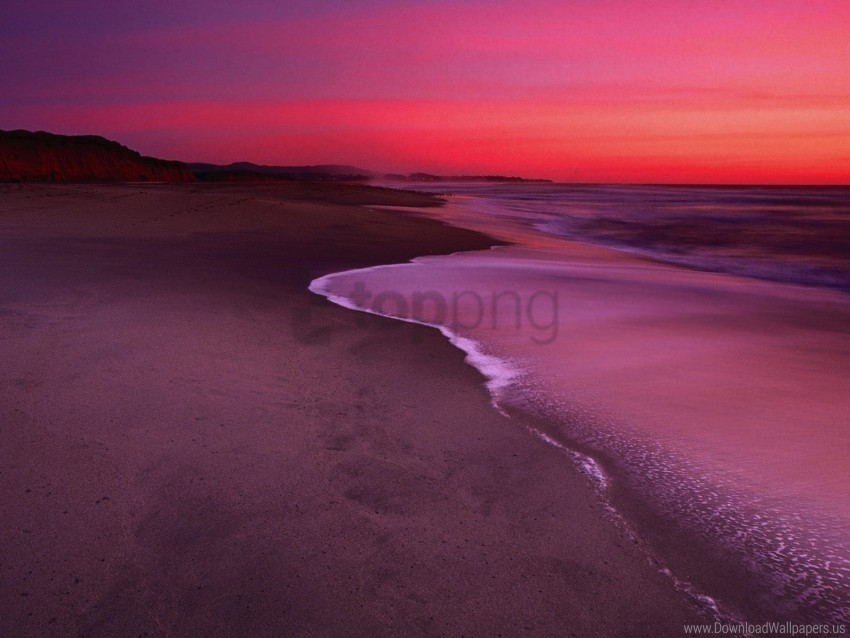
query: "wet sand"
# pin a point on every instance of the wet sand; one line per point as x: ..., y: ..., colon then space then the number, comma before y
x: 194, y: 444
x: 716, y: 403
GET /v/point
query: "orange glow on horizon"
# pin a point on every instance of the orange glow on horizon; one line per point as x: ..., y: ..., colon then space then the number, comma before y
x: 580, y: 142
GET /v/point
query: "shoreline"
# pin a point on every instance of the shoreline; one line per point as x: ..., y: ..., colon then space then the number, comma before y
x: 197, y: 443
x: 624, y: 507
x: 746, y: 592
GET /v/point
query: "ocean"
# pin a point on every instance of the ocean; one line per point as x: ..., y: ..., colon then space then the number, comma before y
x: 793, y: 233
x: 687, y: 347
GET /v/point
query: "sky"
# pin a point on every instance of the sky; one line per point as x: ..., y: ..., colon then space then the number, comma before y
x: 681, y: 91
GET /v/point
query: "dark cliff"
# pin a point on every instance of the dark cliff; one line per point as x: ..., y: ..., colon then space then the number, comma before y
x: 45, y: 157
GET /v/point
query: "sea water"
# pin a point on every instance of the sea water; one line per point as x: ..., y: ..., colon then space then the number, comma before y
x: 691, y: 345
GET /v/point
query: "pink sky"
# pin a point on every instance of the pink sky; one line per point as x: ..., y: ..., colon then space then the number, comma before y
x: 684, y: 91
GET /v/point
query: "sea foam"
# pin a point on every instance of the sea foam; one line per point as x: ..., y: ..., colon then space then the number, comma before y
x: 499, y: 373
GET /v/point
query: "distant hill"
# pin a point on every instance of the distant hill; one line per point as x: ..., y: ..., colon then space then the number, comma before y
x: 428, y: 177
x: 44, y: 157
x: 246, y: 171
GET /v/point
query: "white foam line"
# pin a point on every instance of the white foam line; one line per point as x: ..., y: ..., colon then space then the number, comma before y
x: 596, y: 474
x: 585, y: 463
x: 499, y: 373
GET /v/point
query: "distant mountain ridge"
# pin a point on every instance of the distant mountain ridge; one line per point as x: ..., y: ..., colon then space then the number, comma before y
x: 428, y: 177
x: 246, y: 171
x: 243, y: 171
x: 27, y: 156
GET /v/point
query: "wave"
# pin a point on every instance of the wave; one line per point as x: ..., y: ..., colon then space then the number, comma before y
x: 499, y: 373
x: 503, y: 378
x: 750, y: 484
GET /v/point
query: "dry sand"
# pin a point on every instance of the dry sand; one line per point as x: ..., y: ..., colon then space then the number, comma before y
x: 193, y: 444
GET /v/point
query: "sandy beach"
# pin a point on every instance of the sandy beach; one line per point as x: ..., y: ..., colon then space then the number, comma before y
x: 194, y: 444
